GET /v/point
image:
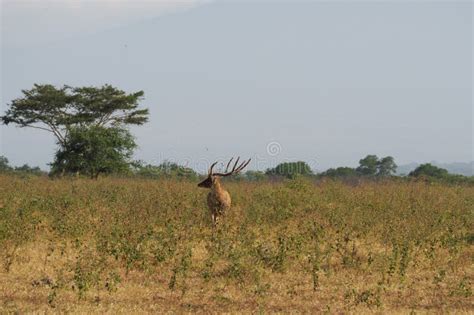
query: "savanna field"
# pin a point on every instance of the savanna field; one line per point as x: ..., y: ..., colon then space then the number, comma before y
x: 135, y: 246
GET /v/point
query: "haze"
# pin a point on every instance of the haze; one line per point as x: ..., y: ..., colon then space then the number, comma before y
x: 327, y: 83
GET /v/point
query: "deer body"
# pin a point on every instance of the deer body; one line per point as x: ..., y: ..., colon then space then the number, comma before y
x: 218, y: 199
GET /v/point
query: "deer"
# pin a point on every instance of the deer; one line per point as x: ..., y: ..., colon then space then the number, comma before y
x: 218, y: 199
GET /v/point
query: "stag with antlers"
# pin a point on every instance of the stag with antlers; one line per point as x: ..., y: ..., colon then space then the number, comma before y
x: 218, y: 199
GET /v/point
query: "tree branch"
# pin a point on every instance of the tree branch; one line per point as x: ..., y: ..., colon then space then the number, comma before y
x: 36, y: 127
x: 57, y: 133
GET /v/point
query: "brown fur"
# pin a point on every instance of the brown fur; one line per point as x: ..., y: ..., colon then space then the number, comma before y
x: 218, y: 199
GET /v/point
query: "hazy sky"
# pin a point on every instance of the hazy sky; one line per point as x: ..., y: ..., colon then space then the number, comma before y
x: 324, y: 82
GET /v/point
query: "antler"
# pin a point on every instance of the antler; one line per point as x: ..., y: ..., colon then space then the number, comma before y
x: 210, y: 169
x: 235, y: 169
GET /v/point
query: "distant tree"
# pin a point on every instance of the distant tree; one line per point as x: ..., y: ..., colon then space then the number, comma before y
x: 290, y: 169
x: 368, y: 166
x: 94, y: 150
x: 57, y: 110
x: 4, y: 166
x: 26, y: 169
x: 165, y: 170
x: 371, y: 165
x: 429, y: 170
x: 386, y: 166
x: 339, y: 172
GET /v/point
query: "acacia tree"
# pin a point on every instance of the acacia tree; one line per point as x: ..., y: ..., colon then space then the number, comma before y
x: 88, y: 123
x: 57, y: 110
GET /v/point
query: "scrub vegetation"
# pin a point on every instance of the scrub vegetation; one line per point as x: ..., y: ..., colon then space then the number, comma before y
x: 131, y: 245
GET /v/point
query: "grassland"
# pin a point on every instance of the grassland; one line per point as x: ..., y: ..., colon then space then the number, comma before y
x: 129, y: 246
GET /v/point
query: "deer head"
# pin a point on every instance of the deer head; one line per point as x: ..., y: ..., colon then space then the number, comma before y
x: 213, y: 177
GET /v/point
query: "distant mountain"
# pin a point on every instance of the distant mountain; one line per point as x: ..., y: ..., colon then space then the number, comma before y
x: 406, y: 168
x: 462, y: 168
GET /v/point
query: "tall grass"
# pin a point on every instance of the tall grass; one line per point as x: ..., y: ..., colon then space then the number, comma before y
x: 142, y: 245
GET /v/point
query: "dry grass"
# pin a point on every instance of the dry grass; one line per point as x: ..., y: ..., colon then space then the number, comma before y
x: 135, y: 246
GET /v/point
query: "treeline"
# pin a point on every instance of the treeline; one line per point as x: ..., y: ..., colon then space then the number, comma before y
x: 91, y: 128
x: 370, y: 168
x: 136, y: 169
x: 20, y: 170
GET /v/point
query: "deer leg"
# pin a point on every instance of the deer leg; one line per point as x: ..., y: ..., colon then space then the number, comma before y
x: 214, y: 219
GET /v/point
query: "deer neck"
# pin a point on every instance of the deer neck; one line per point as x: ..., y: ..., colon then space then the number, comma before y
x: 217, y: 187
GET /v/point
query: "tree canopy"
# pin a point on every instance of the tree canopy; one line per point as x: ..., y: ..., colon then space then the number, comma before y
x: 56, y: 110
x: 429, y: 170
x: 93, y: 150
x: 386, y: 166
x: 290, y: 169
x: 368, y: 165
x: 371, y: 165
